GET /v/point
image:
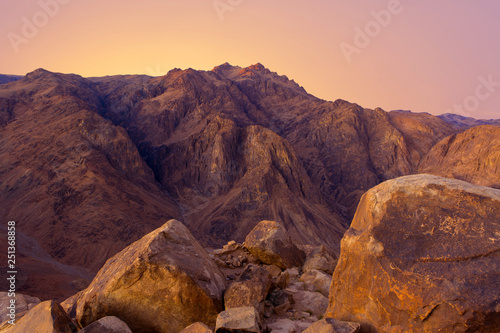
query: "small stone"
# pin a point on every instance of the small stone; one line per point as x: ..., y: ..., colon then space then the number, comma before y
x: 330, y: 325
x: 315, y: 280
x: 312, y: 302
x: 243, y: 319
x: 274, y: 270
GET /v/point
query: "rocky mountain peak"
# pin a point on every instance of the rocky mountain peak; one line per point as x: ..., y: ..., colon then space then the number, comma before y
x: 258, y: 67
x: 41, y: 74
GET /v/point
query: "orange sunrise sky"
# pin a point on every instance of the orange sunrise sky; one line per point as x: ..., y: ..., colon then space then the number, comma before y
x: 421, y: 55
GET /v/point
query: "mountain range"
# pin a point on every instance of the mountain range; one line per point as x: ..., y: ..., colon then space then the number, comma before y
x: 90, y: 165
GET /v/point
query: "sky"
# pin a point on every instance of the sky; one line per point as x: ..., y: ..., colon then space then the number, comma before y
x: 433, y: 56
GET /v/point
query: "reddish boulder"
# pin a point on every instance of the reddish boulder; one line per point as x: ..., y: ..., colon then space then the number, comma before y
x: 422, y: 255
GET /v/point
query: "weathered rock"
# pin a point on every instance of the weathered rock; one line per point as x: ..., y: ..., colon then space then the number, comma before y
x: 281, y: 300
x: 274, y: 270
x: 70, y: 304
x: 308, y: 301
x: 107, y: 325
x: 197, y: 328
x: 250, y: 289
x: 271, y: 244
x: 283, y: 326
x: 23, y: 304
x: 244, y: 319
x: 282, y: 280
x: 330, y: 325
x: 319, y: 258
x: 422, y: 255
x: 319, y: 281
x: 46, y: 317
x: 164, y: 282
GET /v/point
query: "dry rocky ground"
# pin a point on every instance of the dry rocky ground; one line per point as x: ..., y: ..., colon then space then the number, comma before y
x: 421, y: 255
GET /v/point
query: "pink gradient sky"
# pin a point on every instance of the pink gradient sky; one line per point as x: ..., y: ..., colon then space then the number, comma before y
x: 430, y: 56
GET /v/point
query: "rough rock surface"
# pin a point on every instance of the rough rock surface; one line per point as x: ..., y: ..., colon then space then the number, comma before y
x: 330, y: 325
x: 319, y: 258
x: 313, y: 303
x: 107, y: 325
x: 250, y: 289
x: 24, y: 303
x: 473, y: 156
x: 197, y: 328
x: 317, y: 281
x: 422, y: 255
x: 421, y: 132
x: 46, y: 317
x: 287, y: 326
x: 163, y: 282
x: 271, y: 244
x: 244, y: 319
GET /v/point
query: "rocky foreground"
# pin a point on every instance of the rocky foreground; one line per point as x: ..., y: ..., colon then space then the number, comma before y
x: 422, y: 255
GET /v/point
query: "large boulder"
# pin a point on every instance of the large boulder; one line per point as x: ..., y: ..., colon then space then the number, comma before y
x: 46, y: 317
x: 422, y: 255
x: 271, y: 244
x: 163, y: 282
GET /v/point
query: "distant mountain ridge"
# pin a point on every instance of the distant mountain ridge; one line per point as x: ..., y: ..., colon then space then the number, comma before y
x: 88, y: 165
x: 463, y: 123
x: 4, y: 78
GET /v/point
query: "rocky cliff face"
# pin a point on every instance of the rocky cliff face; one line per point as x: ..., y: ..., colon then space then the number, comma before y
x: 473, y: 156
x: 71, y: 179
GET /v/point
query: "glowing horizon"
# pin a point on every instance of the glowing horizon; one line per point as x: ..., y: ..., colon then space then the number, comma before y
x: 421, y: 56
